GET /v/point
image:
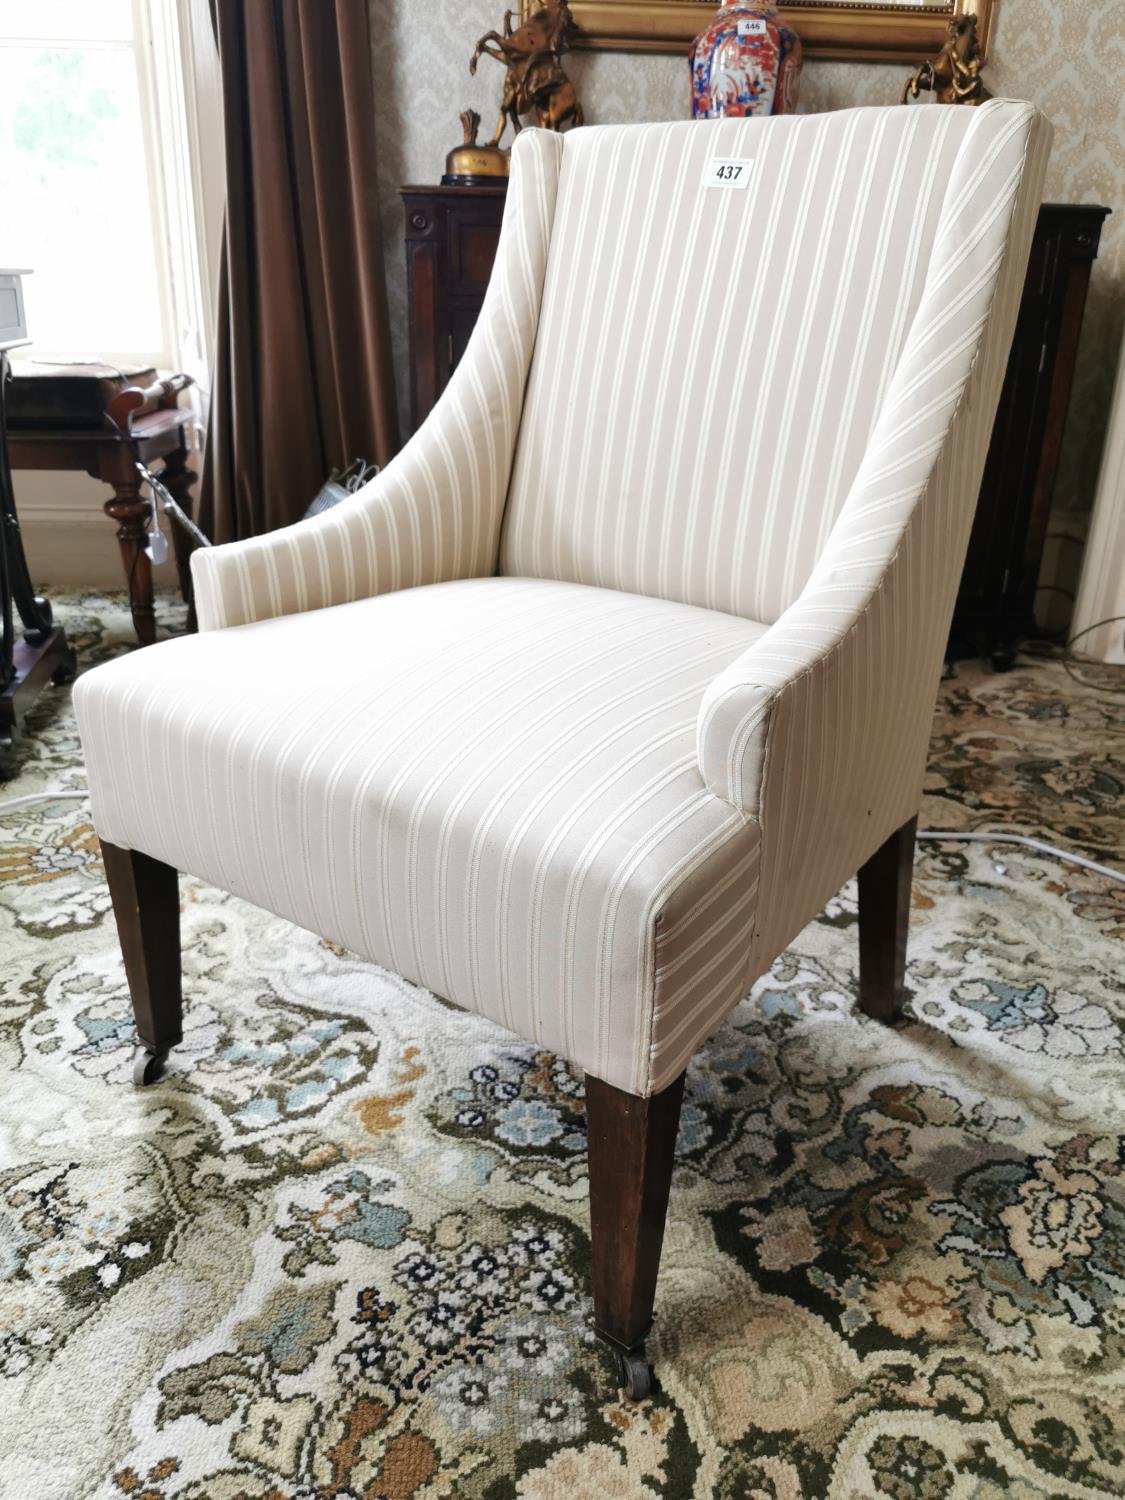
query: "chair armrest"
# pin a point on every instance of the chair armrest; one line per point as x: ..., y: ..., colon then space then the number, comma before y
x: 434, y: 513
x: 819, y: 730
x: 863, y: 643
x: 838, y: 694
x: 403, y: 529
x: 813, y: 638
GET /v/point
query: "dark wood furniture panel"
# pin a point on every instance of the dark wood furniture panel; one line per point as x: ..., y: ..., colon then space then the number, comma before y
x: 451, y: 239
x: 996, y: 602
x: 35, y: 651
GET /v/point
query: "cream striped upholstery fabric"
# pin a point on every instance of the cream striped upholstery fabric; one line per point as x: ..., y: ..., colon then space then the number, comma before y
x: 717, y: 358
x: 489, y: 786
x: 821, y: 733
x: 435, y: 512
x: 574, y: 797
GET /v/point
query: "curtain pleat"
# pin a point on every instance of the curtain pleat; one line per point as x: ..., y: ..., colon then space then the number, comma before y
x: 302, y: 380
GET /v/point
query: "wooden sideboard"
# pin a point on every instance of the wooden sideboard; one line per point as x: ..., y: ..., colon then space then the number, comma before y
x: 451, y: 240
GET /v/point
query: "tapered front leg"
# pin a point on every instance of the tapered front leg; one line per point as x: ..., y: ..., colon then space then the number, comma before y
x: 631, y: 1144
x: 146, y: 904
x: 884, y: 918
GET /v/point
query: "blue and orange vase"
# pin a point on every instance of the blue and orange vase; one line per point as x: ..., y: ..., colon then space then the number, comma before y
x: 746, y: 62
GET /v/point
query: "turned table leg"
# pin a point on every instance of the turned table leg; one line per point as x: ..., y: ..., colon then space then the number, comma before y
x: 179, y: 480
x: 130, y: 510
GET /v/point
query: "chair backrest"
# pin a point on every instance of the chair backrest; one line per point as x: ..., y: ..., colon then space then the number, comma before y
x: 713, y: 347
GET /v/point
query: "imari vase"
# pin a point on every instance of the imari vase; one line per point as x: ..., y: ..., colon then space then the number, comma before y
x: 746, y: 62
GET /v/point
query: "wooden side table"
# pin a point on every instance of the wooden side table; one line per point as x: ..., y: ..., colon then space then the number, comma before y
x: 89, y: 417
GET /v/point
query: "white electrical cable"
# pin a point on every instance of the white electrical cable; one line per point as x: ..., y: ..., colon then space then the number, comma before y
x: 14, y: 803
x: 1026, y: 843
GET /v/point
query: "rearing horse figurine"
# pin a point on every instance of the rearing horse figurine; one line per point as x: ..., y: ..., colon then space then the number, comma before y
x: 535, y: 78
x: 954, y: 74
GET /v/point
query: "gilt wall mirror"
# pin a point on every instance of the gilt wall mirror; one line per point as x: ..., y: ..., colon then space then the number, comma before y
x: 895, y: 31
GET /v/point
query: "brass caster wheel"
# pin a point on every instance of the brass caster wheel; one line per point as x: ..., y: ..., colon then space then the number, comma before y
x: 636, y: 1374
x: 147, y: 1067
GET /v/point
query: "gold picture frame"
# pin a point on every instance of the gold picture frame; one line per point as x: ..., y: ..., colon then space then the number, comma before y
x: 827, y: 28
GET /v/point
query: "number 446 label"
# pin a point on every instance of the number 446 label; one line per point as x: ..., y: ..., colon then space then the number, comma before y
x: 754, y: 27
x: 729, y: 172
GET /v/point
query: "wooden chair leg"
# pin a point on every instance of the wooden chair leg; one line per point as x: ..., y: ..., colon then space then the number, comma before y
x: 884, y: 917
x: 146, y: 904
x: 631, y: 1144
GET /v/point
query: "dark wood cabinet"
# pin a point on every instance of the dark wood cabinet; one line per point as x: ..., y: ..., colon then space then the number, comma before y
x: 451, y: 239
x: 996, y: 602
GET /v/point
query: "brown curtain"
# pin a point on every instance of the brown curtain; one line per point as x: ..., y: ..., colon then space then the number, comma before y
x: 303, y: 380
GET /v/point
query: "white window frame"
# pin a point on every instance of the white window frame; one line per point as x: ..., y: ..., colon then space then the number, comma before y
x: 180, y: 106
x: 181, y: 102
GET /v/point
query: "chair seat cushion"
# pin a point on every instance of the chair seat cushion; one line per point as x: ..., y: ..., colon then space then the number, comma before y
x: 488, y: 786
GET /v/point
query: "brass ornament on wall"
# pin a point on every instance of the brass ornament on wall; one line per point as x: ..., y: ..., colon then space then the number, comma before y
x: 953, y: 76
x: 827, y: 28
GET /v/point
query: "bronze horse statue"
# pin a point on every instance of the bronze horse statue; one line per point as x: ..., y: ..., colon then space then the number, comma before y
x: 953, y: 76
x: 535, y: 80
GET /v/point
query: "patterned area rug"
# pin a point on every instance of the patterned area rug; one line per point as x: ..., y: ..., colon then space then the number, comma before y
x: 342, y: 1249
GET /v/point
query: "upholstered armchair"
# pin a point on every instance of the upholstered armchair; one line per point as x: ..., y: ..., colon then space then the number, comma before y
x: 587, y: 704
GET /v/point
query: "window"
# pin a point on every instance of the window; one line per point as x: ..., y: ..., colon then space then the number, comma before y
x: 87, y: 177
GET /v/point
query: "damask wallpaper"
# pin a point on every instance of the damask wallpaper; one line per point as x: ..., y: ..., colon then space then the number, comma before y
x: 1066, y: 55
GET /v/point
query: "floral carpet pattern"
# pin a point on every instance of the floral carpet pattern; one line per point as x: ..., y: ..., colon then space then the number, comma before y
x: 341, y: 1249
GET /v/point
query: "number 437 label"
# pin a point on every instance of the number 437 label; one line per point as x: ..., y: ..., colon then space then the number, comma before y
x: 729, y: 172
